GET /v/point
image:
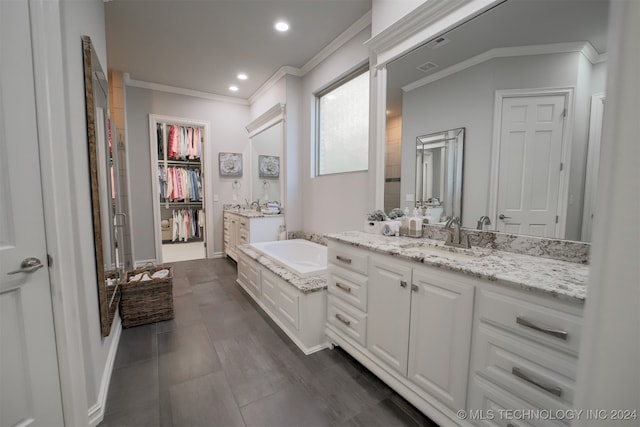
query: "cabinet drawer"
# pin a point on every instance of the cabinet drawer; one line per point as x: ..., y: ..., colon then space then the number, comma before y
x: 542, y: 377
x: 289, y: 304
x: 349, y: 258
x: 349, y: 321
x: 546, y: 325
x: 244, y: 237
x: 348, y: 286
x: 491, y: 406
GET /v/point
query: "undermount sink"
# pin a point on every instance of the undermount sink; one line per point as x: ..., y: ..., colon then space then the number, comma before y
x: 440, y: 249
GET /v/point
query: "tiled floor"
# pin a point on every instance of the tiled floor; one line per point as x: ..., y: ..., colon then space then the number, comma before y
x: 222, y: 362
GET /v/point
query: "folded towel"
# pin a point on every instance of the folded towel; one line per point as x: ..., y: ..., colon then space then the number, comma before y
x: 160, y: 274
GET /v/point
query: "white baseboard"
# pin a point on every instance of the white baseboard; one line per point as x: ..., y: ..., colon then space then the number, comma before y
x: 139, y: 264
x: 96, y: 412
x: 218, y: 255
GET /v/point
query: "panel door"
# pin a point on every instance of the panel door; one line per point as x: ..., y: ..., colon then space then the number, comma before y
x: 440, y: 335
x: 29, y: 384
x: 530, y: 165
x: 388, y: 312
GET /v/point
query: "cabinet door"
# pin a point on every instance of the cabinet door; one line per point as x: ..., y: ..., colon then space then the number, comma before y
x: 388, y: 308
x: 440, y: 335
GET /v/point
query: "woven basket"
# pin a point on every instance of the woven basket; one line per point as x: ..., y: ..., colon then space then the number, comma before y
x: 149, y: 301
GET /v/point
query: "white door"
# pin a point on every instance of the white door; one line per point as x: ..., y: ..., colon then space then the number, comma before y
x: 29, y: 383
x: 530, y: 162
x: 389, y: 297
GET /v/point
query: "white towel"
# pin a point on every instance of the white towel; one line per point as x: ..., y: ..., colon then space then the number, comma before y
x: 390, y: 228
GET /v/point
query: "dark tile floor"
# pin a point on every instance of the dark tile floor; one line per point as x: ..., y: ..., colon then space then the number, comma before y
x: 223, y: 362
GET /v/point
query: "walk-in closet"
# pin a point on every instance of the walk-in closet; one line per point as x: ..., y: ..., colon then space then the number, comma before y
x: 178, y: 154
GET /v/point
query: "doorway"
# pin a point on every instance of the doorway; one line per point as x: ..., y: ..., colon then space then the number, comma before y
x: 178, y: 172
x: 530, y: 151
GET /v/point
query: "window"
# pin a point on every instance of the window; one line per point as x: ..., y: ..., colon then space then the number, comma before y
x: 342, y: 142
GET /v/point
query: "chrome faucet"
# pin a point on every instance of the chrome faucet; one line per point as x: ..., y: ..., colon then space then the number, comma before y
x: 484, y: 220
x: 456, y: 238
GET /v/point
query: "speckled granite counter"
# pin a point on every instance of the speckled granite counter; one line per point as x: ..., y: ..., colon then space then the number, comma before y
x: 250, y: 214
x: 560, y: 279
x: 303, y: 284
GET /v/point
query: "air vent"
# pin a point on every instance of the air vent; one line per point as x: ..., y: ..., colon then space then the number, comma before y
x: 427, y: 67
x: 439, y: 42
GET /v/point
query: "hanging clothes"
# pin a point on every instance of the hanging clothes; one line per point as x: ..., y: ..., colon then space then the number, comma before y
x: 186, y: 224
x: 180, y: 183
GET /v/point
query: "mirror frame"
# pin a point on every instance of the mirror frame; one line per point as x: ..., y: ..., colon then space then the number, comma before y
x: 270, y: 118
x: 108, y: 303
x: 452, y: 141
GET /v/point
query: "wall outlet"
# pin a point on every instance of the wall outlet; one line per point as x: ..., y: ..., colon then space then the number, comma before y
x: 408, y: 197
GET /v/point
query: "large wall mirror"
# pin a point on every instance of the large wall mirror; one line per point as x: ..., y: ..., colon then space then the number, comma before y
x: 103, y: 177
x: 267, y: 134
x: 526, y: 79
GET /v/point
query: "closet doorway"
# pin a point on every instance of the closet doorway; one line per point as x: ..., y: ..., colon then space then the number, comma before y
x: 178, y: 152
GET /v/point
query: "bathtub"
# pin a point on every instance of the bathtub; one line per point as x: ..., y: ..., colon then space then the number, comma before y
x: 299, y: 256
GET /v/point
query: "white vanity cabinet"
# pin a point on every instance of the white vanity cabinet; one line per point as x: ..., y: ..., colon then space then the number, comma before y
x: 241, y: 229
x: 525, y: 355
x: 420, y: 322
x: 410, y: 324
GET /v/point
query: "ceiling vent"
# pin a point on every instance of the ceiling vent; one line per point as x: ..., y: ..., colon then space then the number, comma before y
x: 439, y: 42
x: 427, y: 67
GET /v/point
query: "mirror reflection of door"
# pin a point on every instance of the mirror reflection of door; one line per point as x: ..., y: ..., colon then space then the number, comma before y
x: 530, y: 164
x: 593, y: 164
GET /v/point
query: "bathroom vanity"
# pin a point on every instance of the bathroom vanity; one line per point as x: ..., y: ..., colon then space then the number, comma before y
x: 455, y: 329
x: 246, y: 226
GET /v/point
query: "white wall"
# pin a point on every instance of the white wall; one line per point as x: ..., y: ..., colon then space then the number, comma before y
x: 386, y: 12
x: 471, y: 95
x: 273, y: 94
x: 227, y: 134
x: 337, y: 202
x: 84, y: 18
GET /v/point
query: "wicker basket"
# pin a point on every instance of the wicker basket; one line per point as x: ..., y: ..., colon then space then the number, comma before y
x: 149, y: 301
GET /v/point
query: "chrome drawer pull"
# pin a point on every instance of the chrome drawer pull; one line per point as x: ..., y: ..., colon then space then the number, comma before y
x: 342, y: 319
x: 555, y: 390
x: 563, y: 335
x: 343, y: 259
x: 414, y: 288
x: 343, y: 287
x: 403, y: 283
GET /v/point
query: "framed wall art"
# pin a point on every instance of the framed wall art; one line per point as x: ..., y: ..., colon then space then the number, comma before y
x: 230, y: 164
x: 268, y: 166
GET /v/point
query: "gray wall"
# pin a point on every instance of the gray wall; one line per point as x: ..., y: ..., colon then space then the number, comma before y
x: 80, y: 18
x: 227, y: 134
x: 466, y: 99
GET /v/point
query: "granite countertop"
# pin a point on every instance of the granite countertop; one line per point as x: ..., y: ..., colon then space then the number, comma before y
x: 560, y: 279
x: 247, y: 213
x: 305, y: 285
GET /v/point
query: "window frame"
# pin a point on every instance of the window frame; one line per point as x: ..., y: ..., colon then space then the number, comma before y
x: 357, y: 72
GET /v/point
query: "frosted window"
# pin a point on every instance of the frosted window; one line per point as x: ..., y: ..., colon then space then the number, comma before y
x: 343, y: 127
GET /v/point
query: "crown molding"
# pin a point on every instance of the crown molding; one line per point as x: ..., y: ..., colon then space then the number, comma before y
x: 432, y: 18
x: 128, y: 81
x: 585, y: 48
x: 282, y: 71
x: 353, y: 30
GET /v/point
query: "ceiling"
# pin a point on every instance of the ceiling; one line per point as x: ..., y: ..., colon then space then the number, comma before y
x: 203, y: 44
x: 513, y: 23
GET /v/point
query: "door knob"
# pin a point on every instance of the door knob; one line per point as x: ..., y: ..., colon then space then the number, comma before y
x: 501, y: 216
x: 28, y: 265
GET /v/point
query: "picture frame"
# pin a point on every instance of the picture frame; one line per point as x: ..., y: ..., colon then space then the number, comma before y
x: 268, y: 166
x: 230, y: 164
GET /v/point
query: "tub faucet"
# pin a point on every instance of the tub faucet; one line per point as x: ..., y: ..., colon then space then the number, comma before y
x: 484, y: 220
x: 456, y: 238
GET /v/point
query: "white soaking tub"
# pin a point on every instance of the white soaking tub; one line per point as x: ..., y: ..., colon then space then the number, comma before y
x: 299, y: 256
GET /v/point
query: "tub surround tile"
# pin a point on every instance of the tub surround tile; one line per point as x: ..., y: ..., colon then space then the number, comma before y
x: 563, y: 250
x: 561, y: 279
x: 248, y: 213
x: 318, y: 238
x: 305, y: 285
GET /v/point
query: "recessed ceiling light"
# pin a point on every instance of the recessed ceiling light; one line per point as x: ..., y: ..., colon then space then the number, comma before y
x: 281, y: 26
x: 233, y: 88
x: 242, y: 76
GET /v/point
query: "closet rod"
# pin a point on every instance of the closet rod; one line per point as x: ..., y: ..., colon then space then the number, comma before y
x: 183, y: 162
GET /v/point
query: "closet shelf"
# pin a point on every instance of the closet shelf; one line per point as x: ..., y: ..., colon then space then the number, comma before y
x: 178, y: 204
x: 194, y: 163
